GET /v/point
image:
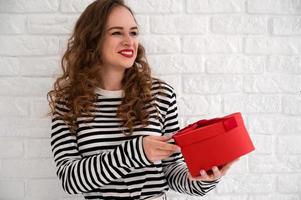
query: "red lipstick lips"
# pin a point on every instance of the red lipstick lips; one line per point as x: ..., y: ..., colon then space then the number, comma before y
x: 129, y: 53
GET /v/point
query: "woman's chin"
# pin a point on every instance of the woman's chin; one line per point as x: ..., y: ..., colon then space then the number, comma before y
x: 127, y: 66
x: 124, y: 64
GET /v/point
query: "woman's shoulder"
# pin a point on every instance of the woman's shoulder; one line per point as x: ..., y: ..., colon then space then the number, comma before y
x: 61, y: 107
x: 160, y: 86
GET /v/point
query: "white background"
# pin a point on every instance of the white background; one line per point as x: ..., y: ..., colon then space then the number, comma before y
x: 221, y: 56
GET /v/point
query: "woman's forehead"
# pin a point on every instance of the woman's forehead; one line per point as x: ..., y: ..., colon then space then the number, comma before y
x: 121, y: 17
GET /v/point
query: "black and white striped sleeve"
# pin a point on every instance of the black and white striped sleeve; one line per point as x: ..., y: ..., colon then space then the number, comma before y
x: 82, y: 174
x: 174, y: 167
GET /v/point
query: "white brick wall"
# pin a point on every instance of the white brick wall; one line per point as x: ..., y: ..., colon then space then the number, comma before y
x: 221, y: 56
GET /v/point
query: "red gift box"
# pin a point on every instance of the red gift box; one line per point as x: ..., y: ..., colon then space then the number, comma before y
x: 213, y: 142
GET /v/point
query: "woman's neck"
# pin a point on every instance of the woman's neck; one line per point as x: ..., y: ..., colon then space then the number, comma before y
x: 111, y: 80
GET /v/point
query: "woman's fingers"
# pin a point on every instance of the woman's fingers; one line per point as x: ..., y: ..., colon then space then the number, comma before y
x: 216, y: 172
x: 204, y: 174
x: 161, y: 153
x: 166, y: 146
x: 156, y: 147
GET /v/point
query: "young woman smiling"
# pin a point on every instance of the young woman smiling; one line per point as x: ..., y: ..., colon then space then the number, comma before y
x: 111, y: 120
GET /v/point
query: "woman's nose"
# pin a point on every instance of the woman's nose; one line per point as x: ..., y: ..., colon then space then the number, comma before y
x: 127, y: 40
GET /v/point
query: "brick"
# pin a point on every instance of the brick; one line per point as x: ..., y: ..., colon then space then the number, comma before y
x: 275, y: 163
x: 40, y: 66
x: 273, y: 45
x: 264, y: 144
x: 74, y: 197
x: 38, y: 168
x: 11, y: 148
x: 12, y: 189
x: 174, y: 64
x: 39, y: 107
x: 74, y: 6
x: 25, y: 127
x: 25, y: 86
x: 9, y: 66
x: 289, y: 145
x: 179, y: 24
x: 234, y: 64
x: 191, y: 119
x: 244, y: 24
x: 21, y: 6
x: 292, y: 104
x: 274, y: 6
x: 214, y: 84
x: 212, y: 44
x: 247, y: 184
x: 14, y: 107
x: 181, y: 122
x: 156, y: 6
x: 39, y: 189
x: 28, y: 45
x: 253, y: 103
x: 63, y: 41
x: 161, y: 44
x: 275, y: 197
x: 38, y: 148
x: 11, y: 24
x: 9, y: 129
x: 239, y: 167
x: 284, y: 64
x: 34, y: 132
x: 214, y: 6
x: 289, y: 183
x: 274, y: 124
x: 173, y: 195
x: 198, y: 104
x: 50, y: 24
x: 286, y: 25
x: 173, y: 80
x: 218, y: 197
x: 143, y: 23
x: 272, y: 84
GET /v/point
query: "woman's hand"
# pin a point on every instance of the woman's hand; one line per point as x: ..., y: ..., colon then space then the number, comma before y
x: 156, y: 148
x: 217, y: 173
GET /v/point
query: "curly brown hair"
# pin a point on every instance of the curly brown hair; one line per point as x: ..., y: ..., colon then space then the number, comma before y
x: 81, y: 64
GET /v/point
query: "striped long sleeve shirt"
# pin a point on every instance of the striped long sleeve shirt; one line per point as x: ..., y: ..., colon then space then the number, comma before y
x: 100, y: 162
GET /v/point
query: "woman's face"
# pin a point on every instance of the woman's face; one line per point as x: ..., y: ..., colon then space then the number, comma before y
x: 120, y: 44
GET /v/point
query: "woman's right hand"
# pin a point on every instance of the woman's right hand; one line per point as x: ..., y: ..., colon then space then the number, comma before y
x: 156, y: 148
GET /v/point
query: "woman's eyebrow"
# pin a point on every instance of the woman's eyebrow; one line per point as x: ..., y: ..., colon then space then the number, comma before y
x: 121, y: 28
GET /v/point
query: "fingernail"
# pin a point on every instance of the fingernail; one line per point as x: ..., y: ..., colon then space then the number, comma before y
x: 202, y: 172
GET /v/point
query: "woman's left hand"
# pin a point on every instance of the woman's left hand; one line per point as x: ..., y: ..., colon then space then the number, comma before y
x: 217, y: 173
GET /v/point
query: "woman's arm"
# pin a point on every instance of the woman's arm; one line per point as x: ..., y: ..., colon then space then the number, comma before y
x: 82, y: 174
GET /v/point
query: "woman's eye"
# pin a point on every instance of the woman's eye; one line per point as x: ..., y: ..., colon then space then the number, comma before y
x: 116, y: 33
x: 134, y: 33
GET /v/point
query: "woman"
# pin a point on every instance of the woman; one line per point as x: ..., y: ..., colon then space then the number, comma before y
x: 111, y: 119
